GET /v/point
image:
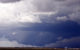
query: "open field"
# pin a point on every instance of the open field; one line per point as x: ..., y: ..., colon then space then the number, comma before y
x: 38, y: 48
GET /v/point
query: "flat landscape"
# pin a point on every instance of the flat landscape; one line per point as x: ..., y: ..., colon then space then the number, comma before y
x: 16, y: 48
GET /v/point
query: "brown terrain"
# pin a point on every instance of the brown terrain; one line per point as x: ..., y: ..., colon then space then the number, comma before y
x: 16, y: 48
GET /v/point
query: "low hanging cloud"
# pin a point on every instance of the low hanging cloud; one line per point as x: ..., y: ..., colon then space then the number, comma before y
x: 71, y: 43
x: 4, y: 42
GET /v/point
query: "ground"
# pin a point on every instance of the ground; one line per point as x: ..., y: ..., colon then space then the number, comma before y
x: 16, y: 48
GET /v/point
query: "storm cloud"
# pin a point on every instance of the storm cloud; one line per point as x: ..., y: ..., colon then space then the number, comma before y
x: 40, y: 22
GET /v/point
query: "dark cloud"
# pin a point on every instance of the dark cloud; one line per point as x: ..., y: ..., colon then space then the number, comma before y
x: 70, y: 43
x: 43, y: 33
x: 8, y: 1
x: 66, y: 29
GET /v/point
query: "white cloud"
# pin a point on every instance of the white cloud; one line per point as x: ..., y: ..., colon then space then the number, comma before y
x: 4, y: 42
x: 29, y: 19
x: 14, y: 33
x: 64, y: 18
x: 23, y: 11
x: 17, y: 12
x: 28, y: 11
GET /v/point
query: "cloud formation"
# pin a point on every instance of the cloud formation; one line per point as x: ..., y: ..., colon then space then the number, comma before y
x: 57, y: 17
x: 71, y: 43
x: 39, y: 11
x: 4, y: 42
x: 8, y: 1
x: 17, y: 12
x: 68, y: 8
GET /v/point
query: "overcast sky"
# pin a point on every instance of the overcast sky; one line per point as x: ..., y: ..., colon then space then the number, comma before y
x: 40, y: 23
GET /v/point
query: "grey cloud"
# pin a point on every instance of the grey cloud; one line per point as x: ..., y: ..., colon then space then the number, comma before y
x: 43, y: 11
x: 44, y: 5
x: 7, y: 1
x: 63, y: 8
x: 60, y: 0
x: 75, y: 17
x: 38, y: 10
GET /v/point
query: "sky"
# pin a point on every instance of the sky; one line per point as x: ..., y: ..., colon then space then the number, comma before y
x: 40, y: 23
